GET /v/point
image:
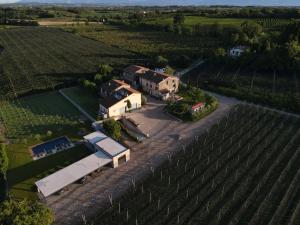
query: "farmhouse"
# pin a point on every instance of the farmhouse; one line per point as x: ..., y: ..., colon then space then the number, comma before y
x: 132, y: 74
x: 119, y: 98
x: 197, y: 107
x: 156, y: 83
x: 237, y: 51
x: 106, y: 151
x: 159, y: 85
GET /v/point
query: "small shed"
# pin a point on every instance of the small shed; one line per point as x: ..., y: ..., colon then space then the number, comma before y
x: 197, y: 107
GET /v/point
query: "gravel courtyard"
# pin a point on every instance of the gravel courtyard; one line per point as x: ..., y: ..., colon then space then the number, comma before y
x: 167, y: 135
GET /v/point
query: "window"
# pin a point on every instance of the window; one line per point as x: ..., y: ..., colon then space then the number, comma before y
x: 167, y: 82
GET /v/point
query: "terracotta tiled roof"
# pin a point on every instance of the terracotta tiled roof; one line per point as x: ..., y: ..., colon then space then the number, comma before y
x: 135, y: 69
x: 155, y: 77
x: 196, y: 106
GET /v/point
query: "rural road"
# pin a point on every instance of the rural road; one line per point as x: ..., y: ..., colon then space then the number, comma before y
x: 85, y: 201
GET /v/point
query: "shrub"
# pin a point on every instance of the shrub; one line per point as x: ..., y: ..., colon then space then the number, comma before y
x: 49, y: 133
x: 144, y: 100
x: 3, y: 160
x: 113, y: 128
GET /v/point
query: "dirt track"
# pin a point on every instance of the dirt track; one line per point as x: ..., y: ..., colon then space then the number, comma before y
x: 88, y: 199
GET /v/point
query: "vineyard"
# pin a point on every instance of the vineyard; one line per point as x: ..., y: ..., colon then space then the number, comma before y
x: 276, y: 89
x: 42, y: 58
x: 244, y: 170
x: 146, y: 42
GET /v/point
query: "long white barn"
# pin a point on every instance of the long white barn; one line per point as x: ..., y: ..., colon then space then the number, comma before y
x: 107, y: 151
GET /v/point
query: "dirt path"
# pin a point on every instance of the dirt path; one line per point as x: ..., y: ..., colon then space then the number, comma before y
x: 87, y: 200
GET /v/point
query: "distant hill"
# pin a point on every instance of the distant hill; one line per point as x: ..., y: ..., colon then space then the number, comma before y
x: 170, y: 2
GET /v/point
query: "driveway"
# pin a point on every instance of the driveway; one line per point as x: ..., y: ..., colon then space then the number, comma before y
x: 167, y: 135
x: 151, y: 119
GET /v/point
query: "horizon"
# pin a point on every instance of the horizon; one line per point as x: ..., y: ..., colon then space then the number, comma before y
x: 263, y: 3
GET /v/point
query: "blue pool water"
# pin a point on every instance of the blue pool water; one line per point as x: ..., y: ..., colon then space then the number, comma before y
x: 48, y: 147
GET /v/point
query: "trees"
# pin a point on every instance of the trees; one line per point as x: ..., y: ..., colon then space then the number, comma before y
x: 129, y: 105
x: 161, y: 62
x: 105, y: 69
x: 178, y: 19
x: 252, y: 30
x: 104, y: 73
x: 3, y: 160
x: 113, y: 128
x: 169, y: 70
x: 25, y: 212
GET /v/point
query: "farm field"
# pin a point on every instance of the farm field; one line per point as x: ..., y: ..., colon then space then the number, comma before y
x: 277, y: 90
x: 87, y: 100
x: 32, y: 120
x: 193, y: 20
x: 226, y: 22
x: 35, y: 58
x: 146, y: 42
x: 232, y: 174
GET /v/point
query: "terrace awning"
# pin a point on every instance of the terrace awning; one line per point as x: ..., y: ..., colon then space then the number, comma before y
x: 62, y: 178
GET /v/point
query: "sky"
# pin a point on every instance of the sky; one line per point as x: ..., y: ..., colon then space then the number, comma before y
x: 184, y: 2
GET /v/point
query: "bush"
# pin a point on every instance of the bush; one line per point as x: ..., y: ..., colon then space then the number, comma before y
x: 113, y: 128
x: 25, y: 212
x: 144, y: 100
x: 161, y: 62
x: 3, y: 160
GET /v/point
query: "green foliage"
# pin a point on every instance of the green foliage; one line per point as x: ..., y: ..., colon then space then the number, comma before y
x: 113, y: 128
x: 252, y: 30
x: 219, y: 52
x: 25, y: 212
x: 104, y: 74
x: 105, y: 69
x: 3, y: 160
x: 191, y: 96
x: 89, y: 85
x: 161, y: 62
x: 129, y: 105
x: 178, y: 19
x: 66, y: 57
x: 169, y: 70
x: 49, y: 133
x: 144, y: 100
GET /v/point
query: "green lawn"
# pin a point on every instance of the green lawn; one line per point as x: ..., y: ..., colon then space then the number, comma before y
x: 21, y: 179
x: 27, y: 121
x: 87, y: 100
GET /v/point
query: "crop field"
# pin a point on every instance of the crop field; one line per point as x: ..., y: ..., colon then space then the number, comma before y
x: 146, y: 42
x: 276, y: 90
x: 244, y: 170
x: 35, y: 58
x: 193, y: 20
x: 227, y: 22
x: 32, y: 120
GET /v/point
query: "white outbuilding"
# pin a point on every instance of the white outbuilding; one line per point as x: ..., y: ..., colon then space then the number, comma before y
x: 106, y: 150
